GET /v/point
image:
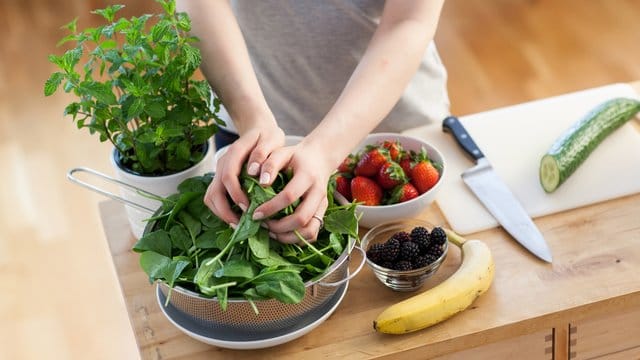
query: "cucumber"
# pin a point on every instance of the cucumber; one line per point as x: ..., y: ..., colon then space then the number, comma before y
x: 571, y: 149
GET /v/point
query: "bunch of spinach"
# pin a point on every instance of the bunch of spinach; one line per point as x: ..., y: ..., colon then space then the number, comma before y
x: 190, y: 247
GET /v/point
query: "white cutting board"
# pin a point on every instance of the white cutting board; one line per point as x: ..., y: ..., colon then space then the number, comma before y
x: 514, y: 139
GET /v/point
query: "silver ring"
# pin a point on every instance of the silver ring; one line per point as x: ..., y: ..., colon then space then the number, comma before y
x: 319, y: 218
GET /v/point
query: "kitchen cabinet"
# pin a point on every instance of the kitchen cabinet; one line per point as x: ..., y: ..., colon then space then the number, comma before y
x: 539, y: 346
x: 614, y: 335
x: 584, y: 305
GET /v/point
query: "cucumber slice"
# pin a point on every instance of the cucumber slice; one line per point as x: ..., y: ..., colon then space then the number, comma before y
x: 571, y: 149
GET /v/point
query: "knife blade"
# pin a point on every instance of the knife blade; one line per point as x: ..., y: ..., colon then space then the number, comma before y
x: 494, y: 194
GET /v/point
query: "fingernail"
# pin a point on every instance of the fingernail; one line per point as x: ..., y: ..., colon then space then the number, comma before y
x: 233, y: 226
x: 253, y: 169
x: 264, y: 178
x: 272, y: 235
x: 264, y: 225
x: 257, y: 215
x: 243, y: 207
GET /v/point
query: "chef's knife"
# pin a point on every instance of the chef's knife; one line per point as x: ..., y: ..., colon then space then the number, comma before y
x: 495, y: 195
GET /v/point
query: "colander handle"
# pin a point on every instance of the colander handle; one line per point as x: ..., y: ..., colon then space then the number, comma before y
x: 350, y: 276
x: 71, y: 177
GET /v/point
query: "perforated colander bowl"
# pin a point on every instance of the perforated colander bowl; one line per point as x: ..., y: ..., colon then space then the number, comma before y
x: 272, y: 315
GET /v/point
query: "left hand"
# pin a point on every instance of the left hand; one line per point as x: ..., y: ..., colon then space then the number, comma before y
x: 311, y: 173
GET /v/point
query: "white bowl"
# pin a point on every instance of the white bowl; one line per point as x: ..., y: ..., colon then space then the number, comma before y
x: 288, y: 140
x: 374, y: 215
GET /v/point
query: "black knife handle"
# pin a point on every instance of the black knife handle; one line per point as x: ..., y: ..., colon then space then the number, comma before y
x: 454, y: 126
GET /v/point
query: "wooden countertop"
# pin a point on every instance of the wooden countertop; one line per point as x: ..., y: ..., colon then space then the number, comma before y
x: 596, y: 251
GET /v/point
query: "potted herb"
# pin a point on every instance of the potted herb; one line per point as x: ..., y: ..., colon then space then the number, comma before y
x: 135, y: 87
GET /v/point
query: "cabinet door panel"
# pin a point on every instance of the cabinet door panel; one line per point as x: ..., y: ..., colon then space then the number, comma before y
x: 536, y: 346
x: 614, y: 336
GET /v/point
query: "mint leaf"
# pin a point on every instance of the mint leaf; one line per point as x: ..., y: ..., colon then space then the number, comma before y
x: 52, y: 84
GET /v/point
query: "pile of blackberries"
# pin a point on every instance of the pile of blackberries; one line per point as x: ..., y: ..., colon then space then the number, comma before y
x: 409, y: 250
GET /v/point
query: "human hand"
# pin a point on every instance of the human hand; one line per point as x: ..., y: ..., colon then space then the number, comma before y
x: 253, y: 147
x: 311, y: 172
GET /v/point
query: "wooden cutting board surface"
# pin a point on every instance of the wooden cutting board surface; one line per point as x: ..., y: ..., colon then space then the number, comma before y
x: 515, y: 138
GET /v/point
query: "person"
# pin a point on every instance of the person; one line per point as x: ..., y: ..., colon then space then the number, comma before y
x: 331, y: 71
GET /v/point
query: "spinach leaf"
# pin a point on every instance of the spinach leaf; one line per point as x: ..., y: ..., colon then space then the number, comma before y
x: 154, y: 264
x: 259, y: 244
x: 273, y: 260
x: 180, y: 238
x: 211, y: 221
x: 342, y: 221
x: 237, y: 268
x: 207, y: 240
x: 171, y: 272
x: 157, y: 241
x: 182, y: 201
x: 193, y: 226
x: 197, y: 184
x: 285, y: 286
x: 335, y: 241
x: 222, y: 294
x: 246, y: 226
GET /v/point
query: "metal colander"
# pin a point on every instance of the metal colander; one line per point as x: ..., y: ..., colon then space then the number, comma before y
x: 240, y: 317
x: 273, y: 315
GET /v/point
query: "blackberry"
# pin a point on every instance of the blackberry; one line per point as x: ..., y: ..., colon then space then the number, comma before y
x: 409, y: 250
x: 420, y: 236
x: 421, y: 261
x: 438, y: 236
x: 388, y: 265
x: 431, y: 258
x: 403, y: 265
x: 435, y: 250
x: 402, y: 236
x: 391, y: 250
x: 374, y: 253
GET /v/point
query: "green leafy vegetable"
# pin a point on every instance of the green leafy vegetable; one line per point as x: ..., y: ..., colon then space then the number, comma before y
x: 192, y: 248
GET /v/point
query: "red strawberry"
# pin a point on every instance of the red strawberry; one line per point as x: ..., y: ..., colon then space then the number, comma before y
x: 366, y: 191
x: 405, y: 163
x: 403, y: 193
x: 424, y: 175
x: 371, y: 161
x: 394, y: 149
x: 348, y: 164
x: 390, y: 175
x: 343, y: 186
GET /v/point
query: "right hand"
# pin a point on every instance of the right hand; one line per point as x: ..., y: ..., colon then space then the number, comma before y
x: 253, y: 148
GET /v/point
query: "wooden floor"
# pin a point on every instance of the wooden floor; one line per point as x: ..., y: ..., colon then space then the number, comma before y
x: 60, y: 298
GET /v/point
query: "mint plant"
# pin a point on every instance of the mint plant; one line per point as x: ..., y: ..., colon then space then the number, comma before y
x: 134, y: 79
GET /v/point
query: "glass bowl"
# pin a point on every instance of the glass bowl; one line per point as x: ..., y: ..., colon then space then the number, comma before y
x: 401, y: 280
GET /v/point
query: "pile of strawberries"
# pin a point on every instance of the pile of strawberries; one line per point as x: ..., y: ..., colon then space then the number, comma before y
x: 384, y: 174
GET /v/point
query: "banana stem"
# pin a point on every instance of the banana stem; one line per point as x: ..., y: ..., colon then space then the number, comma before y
x: 453, y: 237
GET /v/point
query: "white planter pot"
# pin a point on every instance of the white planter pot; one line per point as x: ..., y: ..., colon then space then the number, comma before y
x: 159, y: 185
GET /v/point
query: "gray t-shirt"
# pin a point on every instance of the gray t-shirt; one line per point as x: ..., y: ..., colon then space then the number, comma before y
x: 304, y: 52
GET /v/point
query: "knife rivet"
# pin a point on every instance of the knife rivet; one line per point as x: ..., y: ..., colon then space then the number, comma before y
x: 464, y: 136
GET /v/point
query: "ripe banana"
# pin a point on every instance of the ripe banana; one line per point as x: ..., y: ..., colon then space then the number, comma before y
x: 448, y: 298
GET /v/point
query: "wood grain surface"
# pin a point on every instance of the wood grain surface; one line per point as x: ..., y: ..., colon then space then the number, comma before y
x: 62, y: 296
